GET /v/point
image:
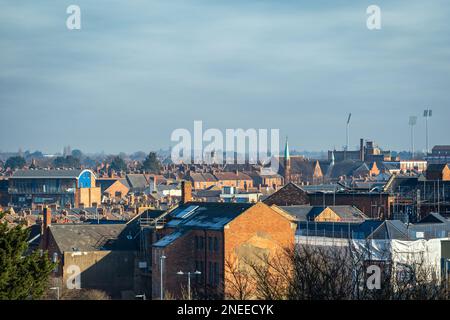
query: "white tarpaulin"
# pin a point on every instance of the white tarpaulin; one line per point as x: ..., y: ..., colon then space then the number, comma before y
x: 399, y: 252
x: 427, y: 253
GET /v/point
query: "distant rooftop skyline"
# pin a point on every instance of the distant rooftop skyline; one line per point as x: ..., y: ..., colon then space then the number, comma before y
x: 138, y: 70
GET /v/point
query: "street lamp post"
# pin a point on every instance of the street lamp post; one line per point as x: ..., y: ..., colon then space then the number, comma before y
x: 189, y: 279
x: 161, y: 260
x: 57, y: 291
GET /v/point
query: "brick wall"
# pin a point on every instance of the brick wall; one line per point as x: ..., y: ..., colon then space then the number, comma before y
x: 109, y: 271
x: 374, y: 205
x: 235, y: 183
x: 115, y: 188
x: 289, y: 195
x: 87, y: 196
x: 258, y: 231
x: 446, y: 174
x: 185, y: 255
x: 327, y: 215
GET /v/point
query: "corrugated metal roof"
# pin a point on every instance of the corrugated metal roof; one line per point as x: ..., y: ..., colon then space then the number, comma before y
x: 72, y: 173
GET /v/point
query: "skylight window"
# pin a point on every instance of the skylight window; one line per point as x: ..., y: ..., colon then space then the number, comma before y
x: 186, y: 212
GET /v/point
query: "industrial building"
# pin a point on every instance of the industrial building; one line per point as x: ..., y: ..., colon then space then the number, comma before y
x: 66, y: 188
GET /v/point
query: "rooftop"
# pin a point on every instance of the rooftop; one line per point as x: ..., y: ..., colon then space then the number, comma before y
x: 94, y: 237
x: 203, y: 215
x: 66, y: 173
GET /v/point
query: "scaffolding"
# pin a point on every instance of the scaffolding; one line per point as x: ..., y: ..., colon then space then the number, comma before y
x: 147, y: 226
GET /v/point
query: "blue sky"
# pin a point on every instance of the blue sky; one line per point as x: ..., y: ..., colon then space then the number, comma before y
x: 137, y: 70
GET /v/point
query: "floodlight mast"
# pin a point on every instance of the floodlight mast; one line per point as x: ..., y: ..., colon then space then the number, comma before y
x: 348, y: 131
x: 427, y: 114
x: 412, y: 123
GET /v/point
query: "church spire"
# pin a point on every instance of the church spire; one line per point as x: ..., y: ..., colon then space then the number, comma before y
x: 286, y: 150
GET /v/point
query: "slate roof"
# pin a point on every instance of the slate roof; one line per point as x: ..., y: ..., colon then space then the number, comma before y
x: 200, y: 215
x: 349, y: 213
x: 432, y: 226
x: 347, y: 168
x: 369, y: 185
x: 390, y: 165
x: 309, y: 213
x: 208, y: 193
x: 105, y: 183
x: 231, y: 176
x: 391, y: 229
x: 403, y: 182
x: 124, y: 181
x: 326, y: 167
x: 289, y: 194
x: 137, y: 181
x: 169, y: 239
x: 94, y: 237
x: 436, y: 167
x: 301, y: 213
x: 326, y: 188
x: 300, y: 165
x: 211, y: 216
x: 172, y: 186
x: 25, y: 174
x: 202, y: 177
x: 441, y: 148
x: 232, y: 167
x: 434, y: 218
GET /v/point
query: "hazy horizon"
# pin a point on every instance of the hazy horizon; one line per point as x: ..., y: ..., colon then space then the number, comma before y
x: 138, y: 70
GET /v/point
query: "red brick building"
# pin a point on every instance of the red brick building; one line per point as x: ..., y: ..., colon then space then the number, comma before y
x: 206, y: 237
x: 375, y: 205
x: 233, y: 179
x: 439, y: 172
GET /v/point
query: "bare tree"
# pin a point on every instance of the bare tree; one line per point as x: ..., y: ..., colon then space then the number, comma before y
x: 240, y: 287
x: 310, y: 272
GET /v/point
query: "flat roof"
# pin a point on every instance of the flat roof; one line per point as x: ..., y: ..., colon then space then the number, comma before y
x: 53, y: 174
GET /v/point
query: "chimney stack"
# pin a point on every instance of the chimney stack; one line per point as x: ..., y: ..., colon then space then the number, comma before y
x: 186, y: 191
x: 46, y: 222
x: 361, y: 150
x: 47, y: 218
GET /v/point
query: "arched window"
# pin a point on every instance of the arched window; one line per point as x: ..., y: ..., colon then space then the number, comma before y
x: 84, y: 181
